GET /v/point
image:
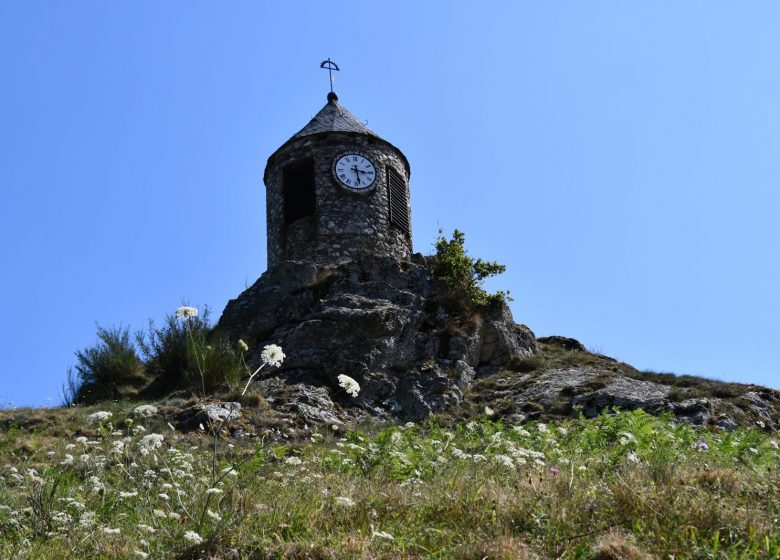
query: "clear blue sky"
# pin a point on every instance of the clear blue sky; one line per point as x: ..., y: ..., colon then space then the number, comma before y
x: 621, y: 158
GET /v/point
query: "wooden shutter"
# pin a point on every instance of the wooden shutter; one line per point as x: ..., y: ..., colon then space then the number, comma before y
x: 298, y: 188
x: 399, y: 209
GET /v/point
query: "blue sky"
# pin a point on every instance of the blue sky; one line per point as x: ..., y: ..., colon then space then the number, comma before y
x: 622, y: 159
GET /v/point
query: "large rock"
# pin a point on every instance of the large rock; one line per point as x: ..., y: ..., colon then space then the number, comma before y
x: 389, y: 325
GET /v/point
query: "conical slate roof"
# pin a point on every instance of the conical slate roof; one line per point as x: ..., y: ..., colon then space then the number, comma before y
x: 334, y: 118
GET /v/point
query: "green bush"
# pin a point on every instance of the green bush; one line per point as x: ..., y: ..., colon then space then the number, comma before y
x: 463, y: 274
x: 186, y: 354
x: 111, y: 369
x: 166, y: 351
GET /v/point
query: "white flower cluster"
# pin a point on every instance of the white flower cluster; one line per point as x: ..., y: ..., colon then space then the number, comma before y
x: 185, y: 312
x: 98, y: 417
x: 193, y: 537
x: 145, y: 410
x: 272, y: 355
x: 344, y: 501
x: 150, y: 443
x: 349, y: 385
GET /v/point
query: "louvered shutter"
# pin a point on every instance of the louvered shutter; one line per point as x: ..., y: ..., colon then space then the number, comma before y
x: 399, y: 209
x: 298, y: 190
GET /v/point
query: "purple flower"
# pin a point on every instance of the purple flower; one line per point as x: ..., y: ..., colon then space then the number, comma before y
x: 701, y: 446
x: 590, y: 506
x: 554, y: 471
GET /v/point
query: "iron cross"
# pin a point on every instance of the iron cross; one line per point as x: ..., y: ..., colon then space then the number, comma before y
x: 330, y: 66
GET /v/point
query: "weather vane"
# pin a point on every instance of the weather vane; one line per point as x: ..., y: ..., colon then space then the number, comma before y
x: 330, y: 66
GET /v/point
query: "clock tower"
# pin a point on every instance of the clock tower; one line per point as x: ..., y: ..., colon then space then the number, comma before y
x: 336, y: 191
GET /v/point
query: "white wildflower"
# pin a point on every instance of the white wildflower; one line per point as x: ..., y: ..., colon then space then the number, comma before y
x: 71, y: 445
x: 128, y: 494
x: 87, y: 519
x: 382, y: 535
x: 146, y: 528
x: 150, y: 443
x: 633, y: 457
x: 185, y: 312
x: 214, y: 515
x: 242, y: 346
x: 97, y: 418
x: 145, y: 410
x: 213, y: 491
x: 505, y: 460
x: 164, y: 496
x: 174, y: 515
x: 459, y: 454
x: 68, y: 459
x: 563, y: 431
x: 521, y: 431
x: 159, y: 513
x: 110, y: 531
x: 626, y: 438
x: 193, y: 537
x: 97, y: 484
x: 61, y: 518
x: 349, y: 385
x: 293, y: 461
x: 489, y: 411
x: 774, y: 444
x: 272, y: 355
x: 140, y: 553
x: 542, y: 427
x: 344, y: 501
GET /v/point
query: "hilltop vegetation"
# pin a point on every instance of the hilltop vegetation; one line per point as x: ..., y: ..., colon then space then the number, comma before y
x: 621, y: 486
x: 175, y: 443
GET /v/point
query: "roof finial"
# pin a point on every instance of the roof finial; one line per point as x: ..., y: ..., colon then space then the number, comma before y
x: 330, y: 66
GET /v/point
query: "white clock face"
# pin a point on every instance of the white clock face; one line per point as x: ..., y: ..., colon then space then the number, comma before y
x: 354, y: 171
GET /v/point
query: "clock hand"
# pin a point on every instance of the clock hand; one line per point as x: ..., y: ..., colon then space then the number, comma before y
x: 355, y: 169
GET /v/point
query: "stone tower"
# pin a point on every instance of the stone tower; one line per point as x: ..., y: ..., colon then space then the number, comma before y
x: 336, y: 191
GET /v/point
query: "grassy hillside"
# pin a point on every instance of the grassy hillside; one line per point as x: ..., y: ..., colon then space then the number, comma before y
x: 627, y: 485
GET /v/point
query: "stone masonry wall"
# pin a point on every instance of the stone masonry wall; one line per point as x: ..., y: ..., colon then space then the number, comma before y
x: 346, y: 224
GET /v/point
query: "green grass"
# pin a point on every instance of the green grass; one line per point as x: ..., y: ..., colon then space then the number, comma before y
x: 623, y: 486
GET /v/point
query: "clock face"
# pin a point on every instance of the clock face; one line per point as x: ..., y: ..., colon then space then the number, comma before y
x: 354, y: 171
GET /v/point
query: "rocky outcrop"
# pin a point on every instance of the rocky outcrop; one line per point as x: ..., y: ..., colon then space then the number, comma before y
x: 416, y: 349
x: 390, y: 325
x: 594, y: 383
